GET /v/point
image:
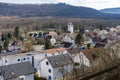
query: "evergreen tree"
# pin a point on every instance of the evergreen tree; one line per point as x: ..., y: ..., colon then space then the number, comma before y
x: 0, y: 48
x: 81, y: 30
x: 79, y: 39
x: 6, y: 45
x: 48, y: 44
x: 16, y: 33
x: 21, y: 38
x: 101, y: 27
x: 2, y: 37
x: 9, y: 35
x: 88, y: 45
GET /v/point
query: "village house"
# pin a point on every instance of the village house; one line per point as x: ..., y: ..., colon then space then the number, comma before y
x: 68, y: 39
x: 82, y: 58
x: 86, y: 57
x: 53, y: 34
x: 13, y: 58
x: 38, y: 47
x: 55, y: 51
x: 53, y: 41
x: 36, y: 34
x: 34, y: 57
x: 15, y: 45
x: 55, y: 67
x: 18, y: 71
x: 7, y: 59
x: 16, y: 58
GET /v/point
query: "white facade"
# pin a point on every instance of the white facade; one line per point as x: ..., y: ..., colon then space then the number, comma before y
x: 81, y: 59
x: 32, y: 57
x: 67, y: 38
x: 14, y: 47
x: 45, y: 69
x: 70, y: 27
x: 51, y: 73
x: 53, y: 40
x: 62, y: 70
x: 18, y: 58
x: 37, y: 60
x: 84, y: 60
x: 55, y: 53
x: 29, y: 77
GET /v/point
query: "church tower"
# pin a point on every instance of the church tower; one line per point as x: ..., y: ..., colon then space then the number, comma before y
x: 70, y: 27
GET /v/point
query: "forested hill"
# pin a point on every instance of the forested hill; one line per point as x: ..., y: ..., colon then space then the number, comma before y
x: 53, y: 10
x: 111, y: 10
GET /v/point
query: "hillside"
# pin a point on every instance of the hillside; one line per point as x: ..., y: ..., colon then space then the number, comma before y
x: 53, y: 10
x: 111, y: 10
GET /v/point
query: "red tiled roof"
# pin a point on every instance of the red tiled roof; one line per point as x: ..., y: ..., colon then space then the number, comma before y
x: 55, y: 50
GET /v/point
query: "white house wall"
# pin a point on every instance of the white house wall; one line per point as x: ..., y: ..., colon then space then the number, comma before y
x: 81, y: 59
x: 37, y: 59
x: 53, y: 41
x: 29, y: 77
x: 57, y: 74
x: 84, y: 60
x: 44, y: 69
x: 68, y: 39
x: 56, y: 53
x: 6, y: 60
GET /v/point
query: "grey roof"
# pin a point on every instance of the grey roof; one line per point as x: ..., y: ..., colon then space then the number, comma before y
x: 15, y: 70
x: 10, y: 53
x: 60, y: 60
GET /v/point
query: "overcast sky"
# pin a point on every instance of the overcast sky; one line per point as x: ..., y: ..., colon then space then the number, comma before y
x: 96, y: 4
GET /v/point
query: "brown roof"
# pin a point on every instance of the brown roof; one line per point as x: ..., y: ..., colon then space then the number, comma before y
x: 108, y: 36
x: 89, y: 54
x: 52, y: 33
x: 72, y: 35
x: 55, y: 50
x: 74, y: 51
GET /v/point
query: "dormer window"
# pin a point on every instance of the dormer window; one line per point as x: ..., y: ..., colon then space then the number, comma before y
x: 56, y: 63
x: 12, y: 73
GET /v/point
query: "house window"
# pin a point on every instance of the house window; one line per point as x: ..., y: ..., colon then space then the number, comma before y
x: 18, y: 59
x: 28, y: 58
x: 0, y: 72
x: 49, y: 78
x: 6, y: 61
x: 47, y: 63
x: 24, y: 58
x: 49, y: 70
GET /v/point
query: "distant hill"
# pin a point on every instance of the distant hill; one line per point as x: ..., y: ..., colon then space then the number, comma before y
x: 111, y: 10
x: 53, y: 10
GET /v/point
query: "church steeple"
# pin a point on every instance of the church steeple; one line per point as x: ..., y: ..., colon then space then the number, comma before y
x: 70, y: 27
